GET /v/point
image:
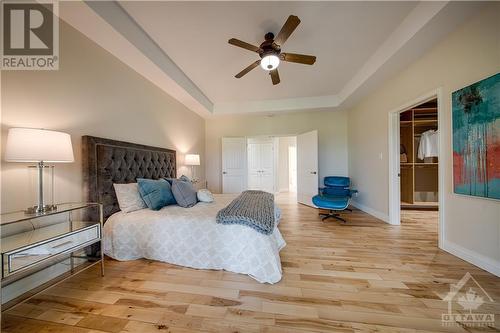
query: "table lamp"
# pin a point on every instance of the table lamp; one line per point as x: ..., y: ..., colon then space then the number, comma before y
x: 41, y: 146
x: 192, y: 160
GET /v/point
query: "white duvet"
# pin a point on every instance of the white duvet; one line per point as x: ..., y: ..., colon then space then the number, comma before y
x: 190, y: 237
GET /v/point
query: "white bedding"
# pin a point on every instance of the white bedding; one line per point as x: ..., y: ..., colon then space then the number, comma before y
x: 190, y: 237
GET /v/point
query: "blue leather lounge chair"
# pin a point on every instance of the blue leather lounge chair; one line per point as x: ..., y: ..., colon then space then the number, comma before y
x: 335, y: 197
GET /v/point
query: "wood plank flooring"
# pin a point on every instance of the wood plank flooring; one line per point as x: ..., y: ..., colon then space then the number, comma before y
x: 364, y: 276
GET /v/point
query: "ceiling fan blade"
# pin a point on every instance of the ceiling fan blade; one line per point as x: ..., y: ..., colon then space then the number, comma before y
x: 275, y: 77
x: 247, y: 69
x: 291, y: 23
x: 298, y: 58
x: 245, y: 45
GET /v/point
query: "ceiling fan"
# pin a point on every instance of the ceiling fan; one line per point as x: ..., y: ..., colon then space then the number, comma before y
x: 270, y: 51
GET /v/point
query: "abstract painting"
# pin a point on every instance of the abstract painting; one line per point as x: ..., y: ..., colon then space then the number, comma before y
x: 476, y: 139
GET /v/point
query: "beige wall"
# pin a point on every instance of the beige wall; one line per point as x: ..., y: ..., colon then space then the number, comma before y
x: 332, y: 132
x: 472, y: 225
x: 92, y: 93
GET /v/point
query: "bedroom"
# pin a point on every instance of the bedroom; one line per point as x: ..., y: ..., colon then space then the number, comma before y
x: 121, y: 76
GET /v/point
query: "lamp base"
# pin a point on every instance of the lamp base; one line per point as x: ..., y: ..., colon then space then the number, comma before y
x: 40, y: 209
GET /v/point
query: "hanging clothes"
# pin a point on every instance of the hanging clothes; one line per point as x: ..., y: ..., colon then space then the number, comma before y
x: 428, y: 145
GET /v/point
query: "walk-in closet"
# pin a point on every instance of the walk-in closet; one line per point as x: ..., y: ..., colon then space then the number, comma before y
x: 419, y: 141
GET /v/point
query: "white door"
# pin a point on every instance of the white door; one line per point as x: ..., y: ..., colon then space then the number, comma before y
x: 234, y: 165
x: 261, y: 164
x: 254, y: 170
x: 267, y: 167
x: 307, y: 167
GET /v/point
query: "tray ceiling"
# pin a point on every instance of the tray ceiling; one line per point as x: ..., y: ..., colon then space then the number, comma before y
x: 182, y: 47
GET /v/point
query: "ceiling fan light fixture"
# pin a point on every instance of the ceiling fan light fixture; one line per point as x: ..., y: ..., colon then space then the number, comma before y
x: 270, y: 62
x: 270, y: 51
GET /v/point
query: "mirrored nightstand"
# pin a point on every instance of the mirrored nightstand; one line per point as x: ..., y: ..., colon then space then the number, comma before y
x: 34, y: 242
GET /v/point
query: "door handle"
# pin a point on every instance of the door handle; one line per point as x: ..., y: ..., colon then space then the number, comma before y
x: 313, y: 172
x: 224, y: 172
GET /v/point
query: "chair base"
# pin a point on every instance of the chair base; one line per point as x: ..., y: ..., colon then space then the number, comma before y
x: 332, y: 215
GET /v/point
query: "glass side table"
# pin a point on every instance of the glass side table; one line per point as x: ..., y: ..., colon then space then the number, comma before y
x: 31, y: 243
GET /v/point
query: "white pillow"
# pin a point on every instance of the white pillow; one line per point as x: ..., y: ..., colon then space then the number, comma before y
x: 205, y: 195
x: 128, y: 197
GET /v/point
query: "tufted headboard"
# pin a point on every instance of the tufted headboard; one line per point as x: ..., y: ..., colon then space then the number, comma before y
x: 108, y: 161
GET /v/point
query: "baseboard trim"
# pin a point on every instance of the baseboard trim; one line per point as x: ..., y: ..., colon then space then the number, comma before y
x: 371, y: 211
x: 474, y: 258
x: 488, y: 264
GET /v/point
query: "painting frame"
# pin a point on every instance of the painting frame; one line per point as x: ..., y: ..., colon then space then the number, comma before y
x: 475, y: 120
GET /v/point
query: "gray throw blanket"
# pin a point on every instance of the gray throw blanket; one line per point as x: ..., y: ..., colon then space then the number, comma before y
x: 254, y: 209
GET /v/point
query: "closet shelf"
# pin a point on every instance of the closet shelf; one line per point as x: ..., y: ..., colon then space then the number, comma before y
x: 426, y: 123
x: 411, y: 163
x: 423, y: 121
x: 425, y: 109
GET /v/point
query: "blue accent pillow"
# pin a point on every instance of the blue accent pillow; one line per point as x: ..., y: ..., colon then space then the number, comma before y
x: 184, y: 193
x: 155, y: 193
x: 182, y: 178
x: 169, y: 180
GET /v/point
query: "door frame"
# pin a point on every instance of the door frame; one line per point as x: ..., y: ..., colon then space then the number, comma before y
x: 394, y: 162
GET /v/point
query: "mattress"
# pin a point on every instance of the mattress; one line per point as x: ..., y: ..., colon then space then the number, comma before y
x: 191, y: 237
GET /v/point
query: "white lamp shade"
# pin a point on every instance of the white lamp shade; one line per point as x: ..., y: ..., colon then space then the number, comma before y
x: 37, y: 145
x: 192, y: 159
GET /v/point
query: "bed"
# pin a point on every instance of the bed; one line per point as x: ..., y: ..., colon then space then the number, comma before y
x: 188, y: 237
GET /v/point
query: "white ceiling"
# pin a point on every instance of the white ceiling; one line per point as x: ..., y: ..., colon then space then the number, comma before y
x: 342, y: 35
x: 182, y: 47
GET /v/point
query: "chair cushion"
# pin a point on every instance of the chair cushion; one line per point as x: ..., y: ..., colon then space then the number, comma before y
x: 334, y: 181
x: 331, y: 202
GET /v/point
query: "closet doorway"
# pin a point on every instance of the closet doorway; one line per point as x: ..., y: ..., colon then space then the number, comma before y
x: 418, y: 133
x: 266, y: 163
x: 416, y: 177
x: 287, y: 164
x: 261, y: 164
x: 272, y: 163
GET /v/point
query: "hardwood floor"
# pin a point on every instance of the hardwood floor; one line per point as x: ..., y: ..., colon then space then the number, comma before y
x: 364, y: 276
